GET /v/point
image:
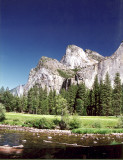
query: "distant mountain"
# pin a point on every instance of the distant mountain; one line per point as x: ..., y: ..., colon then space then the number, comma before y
x: 18, y: 91
x: 76, y: 66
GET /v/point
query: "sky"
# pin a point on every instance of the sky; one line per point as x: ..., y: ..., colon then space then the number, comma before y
x: 30, y: 29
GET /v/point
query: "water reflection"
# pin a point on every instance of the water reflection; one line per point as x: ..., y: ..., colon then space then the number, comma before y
x: 21, y: 144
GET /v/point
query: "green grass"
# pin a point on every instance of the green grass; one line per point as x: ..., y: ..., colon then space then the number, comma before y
x: 96, y: 131
x: 19, y: 118
x: 90, y: 124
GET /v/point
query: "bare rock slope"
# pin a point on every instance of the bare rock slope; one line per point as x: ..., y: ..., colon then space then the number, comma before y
x: 88, y: 64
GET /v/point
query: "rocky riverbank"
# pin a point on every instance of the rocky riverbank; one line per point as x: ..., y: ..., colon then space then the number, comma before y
x: 31, y: 129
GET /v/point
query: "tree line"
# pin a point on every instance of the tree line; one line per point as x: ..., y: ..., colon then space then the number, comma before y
x: 101, y: 100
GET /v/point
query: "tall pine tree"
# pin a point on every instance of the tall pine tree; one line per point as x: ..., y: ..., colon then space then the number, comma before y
x: 117, y: 95
x: 106, y: 95
x: 80, y: 100
x: 96, y: 97
x: 122, y: 101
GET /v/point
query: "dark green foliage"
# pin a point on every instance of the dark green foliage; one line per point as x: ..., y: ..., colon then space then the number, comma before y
x: 117, y: 95
x: 81, y: 100
x: 8, y: 100
x: 43, y: 102
x: 91, y: 103
x: 79, y: 106
x: 105, y: 96
x: 122, y: 101
x: 96, y: 91
x: 72, y: 92
x: 51, y: 103
x: 2, y: 112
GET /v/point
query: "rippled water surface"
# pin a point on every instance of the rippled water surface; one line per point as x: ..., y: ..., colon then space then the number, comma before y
x: 22, y: 144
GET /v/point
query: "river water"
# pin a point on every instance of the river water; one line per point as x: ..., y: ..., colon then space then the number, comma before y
x: 51, y: 145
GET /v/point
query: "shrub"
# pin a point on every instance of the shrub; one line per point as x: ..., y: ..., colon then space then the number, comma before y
x: 75, y: 122
x: 56, y: 121
x: 96, y: 124
x: 42, y: 123
x: 2, y: 112
x: 64, y: 123
x: 120, y: 122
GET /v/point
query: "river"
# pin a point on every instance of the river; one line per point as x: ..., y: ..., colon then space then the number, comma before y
x: 32, y: 144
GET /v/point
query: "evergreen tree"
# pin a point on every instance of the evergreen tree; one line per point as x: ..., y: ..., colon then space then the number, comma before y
x: 18, y: 104
x: 80, y: 99
x: 24, y: 103
x: 61, y: 103
x: 43, y: 102
x: 35, y: 99
x: 7, y: 100
x: 117, y: 95
x: 64, y: 93
x: 96, y: 91
x: 72, y: 91
x: 80, y: 106
x: 122, y: 101
x: 2, y: 90
x: 101, y: 86
x: 30, y: 100
x: 91, y: 103
x: 106, y: 95
x: 51, y: 102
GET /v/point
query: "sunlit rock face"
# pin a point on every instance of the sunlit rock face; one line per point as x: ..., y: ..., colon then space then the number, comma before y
x: 112, y: 65
x: 89, y: 64
x: 46, y: 75
x: 76, y: 57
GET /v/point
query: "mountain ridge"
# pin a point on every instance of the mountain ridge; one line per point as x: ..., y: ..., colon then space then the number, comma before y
x: 89, y: 64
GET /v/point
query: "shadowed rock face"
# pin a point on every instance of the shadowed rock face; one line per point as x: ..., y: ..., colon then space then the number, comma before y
x: 89, y: 64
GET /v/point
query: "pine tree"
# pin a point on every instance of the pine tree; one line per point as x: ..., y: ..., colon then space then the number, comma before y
x: 72, y: 91
x: 91, y: 103
x: 122, y: 101
x: 80, y: 99
x: 30, y: 100
x: 96, y: 97
x: 117, y: 94
x: 51, y: 102
x: 106, y: 95
x: 43, y: 102
x: 24, y: 103
x: 2, y: 90
x: 7, y: 100
x: 35, y: 99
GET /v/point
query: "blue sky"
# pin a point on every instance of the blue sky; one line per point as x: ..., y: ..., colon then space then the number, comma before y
x: 30, y: 29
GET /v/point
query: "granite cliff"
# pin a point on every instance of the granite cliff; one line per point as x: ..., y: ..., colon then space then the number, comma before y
x: 51, y: 73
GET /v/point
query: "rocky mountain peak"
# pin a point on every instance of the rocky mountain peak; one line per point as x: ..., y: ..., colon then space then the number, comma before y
x: 119, y: 51
x: 53, y: 75
x: 76, y: 57
x: 94, y: 55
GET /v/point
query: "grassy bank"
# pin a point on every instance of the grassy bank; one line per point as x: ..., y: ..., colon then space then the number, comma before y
x: 20, y: 118
x: 89, y: 124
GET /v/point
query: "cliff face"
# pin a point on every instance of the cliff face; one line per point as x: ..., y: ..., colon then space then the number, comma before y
x: 112, y: 65
x: 89, y: 64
